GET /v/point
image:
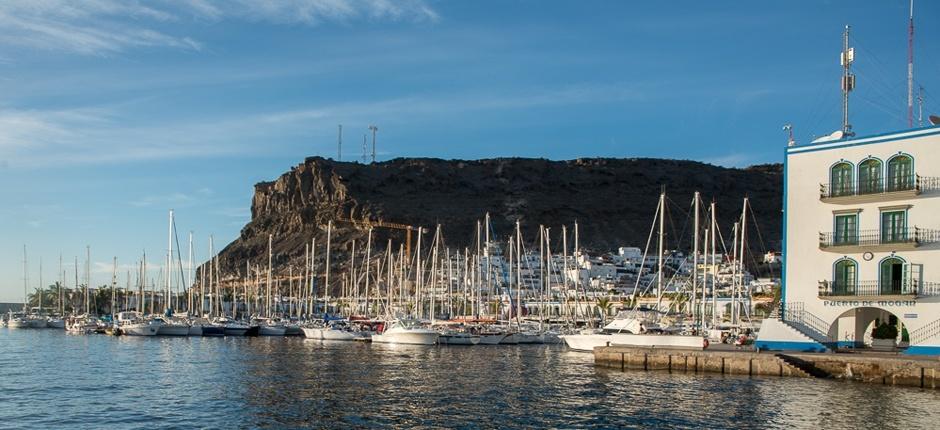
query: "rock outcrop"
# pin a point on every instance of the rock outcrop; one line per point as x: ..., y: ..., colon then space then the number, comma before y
x: 613, y: 201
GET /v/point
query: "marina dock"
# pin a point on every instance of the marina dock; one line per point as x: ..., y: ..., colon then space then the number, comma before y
x: 911, y: 371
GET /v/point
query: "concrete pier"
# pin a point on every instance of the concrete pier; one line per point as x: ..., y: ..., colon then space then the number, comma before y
x: 921, y: 372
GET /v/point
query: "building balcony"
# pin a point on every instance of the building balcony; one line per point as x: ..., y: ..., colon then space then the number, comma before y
x: 877, y: 241
x: 878, y: 190
x: 877, y: 290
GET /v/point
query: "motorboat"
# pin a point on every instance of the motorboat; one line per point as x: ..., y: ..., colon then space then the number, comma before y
x: 407, y: 332
x: 17, y: 321
x: 81, y: 324
x: 632, y: 329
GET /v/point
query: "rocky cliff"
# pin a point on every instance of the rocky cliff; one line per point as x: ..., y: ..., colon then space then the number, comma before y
x: 613, y: 201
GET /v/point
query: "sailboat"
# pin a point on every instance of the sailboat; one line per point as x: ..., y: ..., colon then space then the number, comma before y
x: 408, y: 332
x: 638, y: 328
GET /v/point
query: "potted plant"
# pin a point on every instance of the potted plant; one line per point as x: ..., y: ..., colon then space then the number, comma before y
x: 884, y: 335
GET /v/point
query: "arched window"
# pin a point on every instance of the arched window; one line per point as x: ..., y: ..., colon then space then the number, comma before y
x: 900, y: 173
x: 845, y: 281
x: 841, y: 180
x: 891, y: 275
x: 869, y: 176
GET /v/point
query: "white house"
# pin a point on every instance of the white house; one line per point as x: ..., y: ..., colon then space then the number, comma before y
x: 861, y: 243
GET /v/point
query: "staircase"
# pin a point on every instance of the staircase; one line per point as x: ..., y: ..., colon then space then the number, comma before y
x: 803, y: 367
x: 806, y: 323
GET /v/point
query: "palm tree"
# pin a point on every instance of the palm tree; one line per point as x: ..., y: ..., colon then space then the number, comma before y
x: 603, y: 307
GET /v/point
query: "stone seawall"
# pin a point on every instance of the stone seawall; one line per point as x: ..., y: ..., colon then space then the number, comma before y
x: 914, y: 372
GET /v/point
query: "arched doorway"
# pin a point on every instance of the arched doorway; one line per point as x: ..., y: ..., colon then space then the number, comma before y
x: 856, y: 328
x: 845, y: 277
x: 891, y: 275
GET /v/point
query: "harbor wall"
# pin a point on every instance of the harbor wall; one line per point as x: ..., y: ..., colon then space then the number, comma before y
x: 902, y: 371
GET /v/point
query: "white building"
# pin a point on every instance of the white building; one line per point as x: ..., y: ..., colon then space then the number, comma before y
x: 861, y: 243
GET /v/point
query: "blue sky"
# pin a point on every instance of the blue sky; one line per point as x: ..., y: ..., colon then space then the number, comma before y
x: 113, y: 112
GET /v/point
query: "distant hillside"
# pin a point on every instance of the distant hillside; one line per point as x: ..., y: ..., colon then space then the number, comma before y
x: 613, y: 201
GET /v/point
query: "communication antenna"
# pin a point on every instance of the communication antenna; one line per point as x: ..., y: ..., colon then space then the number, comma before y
x: 920, y: 106
x: 910, y: 70
x: 374, y: 129
x: 339, y: 144
x: 789, y: 129
x: 848, y: 81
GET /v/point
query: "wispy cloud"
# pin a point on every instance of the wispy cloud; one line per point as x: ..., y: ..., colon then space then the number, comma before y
x: 102, y: 134
x: 108, y: 27
x: 166, y: 199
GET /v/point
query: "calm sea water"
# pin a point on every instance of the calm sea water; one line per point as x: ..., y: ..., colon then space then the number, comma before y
x: 49, y: 379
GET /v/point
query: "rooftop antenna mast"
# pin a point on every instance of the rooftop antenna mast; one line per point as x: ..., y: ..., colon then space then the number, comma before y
x: 339, y: 144
x: 789, y: 129
x: 848, y: 81
x: 920, y: 106
x: 374, y: 129
x: 910, y: 70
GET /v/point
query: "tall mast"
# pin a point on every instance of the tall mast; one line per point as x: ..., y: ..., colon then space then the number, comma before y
x: 270, y: 269
x: 518, y: 274
x: 87, y: 279
x: 714, y: 265
x: 741, y: 250
x: 695, y: 204
x: 25, y: 283
x: 661, y: 257
x: 848, y: 83
x: 910, y: 69
x: 326, y: 277
x: 189, y: 275
x: 113, y: 284
x: 169, y: 260
x: 368, y: 260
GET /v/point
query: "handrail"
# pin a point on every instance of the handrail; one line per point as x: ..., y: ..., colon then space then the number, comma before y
x: 879, y: 186
x: 795, y: 314
x: 924, y: 333
x: 913, y: 235
x: 879, y: 288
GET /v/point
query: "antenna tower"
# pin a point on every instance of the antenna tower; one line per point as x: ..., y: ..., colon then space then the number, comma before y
x: 910, y: 70
x: 848, y: 81
x: 374, y: 129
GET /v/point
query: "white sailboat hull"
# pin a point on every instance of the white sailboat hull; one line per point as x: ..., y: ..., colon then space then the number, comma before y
x: 272, y: 330
x: 56, y: 323
x: 18, y: 323
x: 328, y: 334
x: 173, y: 330
x: 587, y: 342
x: 407, y: 337
x: 449, y: 339
x: 491, y: 339
x: 313, y: 332
x: 140, y: 329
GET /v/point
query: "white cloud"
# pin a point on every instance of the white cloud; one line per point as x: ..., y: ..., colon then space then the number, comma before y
x: 107, y: 27
x: 34, y: 138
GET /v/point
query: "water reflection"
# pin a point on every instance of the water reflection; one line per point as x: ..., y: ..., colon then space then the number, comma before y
x: 52, y: 380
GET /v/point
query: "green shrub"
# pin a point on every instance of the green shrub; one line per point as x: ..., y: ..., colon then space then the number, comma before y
x: 885, y: 331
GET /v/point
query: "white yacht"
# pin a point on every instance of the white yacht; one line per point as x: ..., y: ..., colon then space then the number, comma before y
x: 269, y: 327
x: 407, y: 332
x: 132, y: 324
x: 17, y: 321
x: 631, y: 329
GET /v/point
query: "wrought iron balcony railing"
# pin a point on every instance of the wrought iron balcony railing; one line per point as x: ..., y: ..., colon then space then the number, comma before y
x: 915, y: 183
x: 878, y: 288
x: 911, y: 235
